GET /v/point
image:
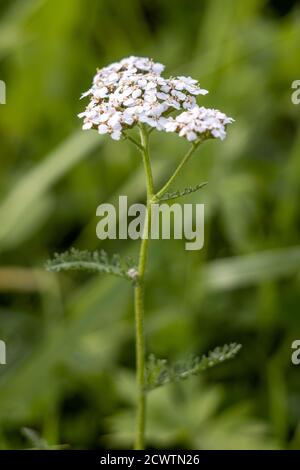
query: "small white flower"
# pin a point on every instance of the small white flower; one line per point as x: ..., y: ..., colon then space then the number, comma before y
x: 151, y: 85
x: 87, y: 125
x: 158, y: 68
x: 127, y: 92
x: 178, y: 94
x: 114, y: 120
x: 142, y: 82
x: 191, y: 135
x: 112, y: 78
x: 147, y: 120
x: 150, y: 97
x: 136, y: 93
x: 101, y: 92
x: 129, y: 102
x: 116, y: 135
x: 162, y: 96
x: 103, y: 117
x: 102, y: 129
x: 158, y: 109
x: 171, y: 126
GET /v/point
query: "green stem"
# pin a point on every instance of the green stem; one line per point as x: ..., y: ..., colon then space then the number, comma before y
x: 146, y: 160
x: 139, y: 301
x: 137, y: 144
x: 178, y: 169
x: 140, y: 285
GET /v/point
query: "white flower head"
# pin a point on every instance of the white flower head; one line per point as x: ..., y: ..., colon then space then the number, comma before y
x: 133, y: 91
x: 199, y: 122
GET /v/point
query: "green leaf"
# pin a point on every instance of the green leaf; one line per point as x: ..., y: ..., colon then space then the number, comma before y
x: 246, y: 270
x: 182, y: 192
x: 156, y: 372
x: 92, y: 261
x: 159, y: 373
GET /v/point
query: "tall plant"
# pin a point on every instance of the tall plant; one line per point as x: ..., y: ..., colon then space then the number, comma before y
x: 133, y: 93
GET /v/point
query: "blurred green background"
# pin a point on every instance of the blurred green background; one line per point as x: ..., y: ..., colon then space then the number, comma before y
x: 70, y: 343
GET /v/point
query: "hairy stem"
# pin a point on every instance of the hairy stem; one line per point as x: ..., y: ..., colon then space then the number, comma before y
x: 139, y: 301
x: 185, y: 159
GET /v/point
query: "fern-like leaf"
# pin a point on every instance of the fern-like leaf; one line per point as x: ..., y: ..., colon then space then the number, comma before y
x: 159, y: 373
x: 182, y: 192
x: 96, y: 261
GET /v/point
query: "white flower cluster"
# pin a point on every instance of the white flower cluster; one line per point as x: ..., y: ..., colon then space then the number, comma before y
x: 199, y: 121
x: 133, y: 91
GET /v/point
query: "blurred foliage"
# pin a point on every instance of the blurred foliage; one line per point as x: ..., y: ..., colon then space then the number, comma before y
x: 70, y: 336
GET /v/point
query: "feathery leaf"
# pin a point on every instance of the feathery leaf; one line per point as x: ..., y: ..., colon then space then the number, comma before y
x: 159, y: 373
x: 183, y: 192
x: 96, y: 261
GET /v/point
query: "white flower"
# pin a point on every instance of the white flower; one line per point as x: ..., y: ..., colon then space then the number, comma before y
x: 171, y: 126
x: 136, y: 93
x: 187, y: 84
x: 87, y: 125
x: 116, y: 135
x: 199, y: 122
x: 133, y: 90
x: 103, y: 129
x: 101, y: 92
